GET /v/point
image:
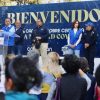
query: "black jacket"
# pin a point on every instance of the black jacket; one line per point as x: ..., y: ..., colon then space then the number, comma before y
x: 41, y: 32
x: 73, y: 87
x: 89, y: 37
x: 19, y: 41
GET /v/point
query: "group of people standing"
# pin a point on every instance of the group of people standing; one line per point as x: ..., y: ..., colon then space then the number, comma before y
x: 83, y: 40
x: 13, y: 40
x: 12, y: 37
x: 24, y: 74
x: 78, y: 40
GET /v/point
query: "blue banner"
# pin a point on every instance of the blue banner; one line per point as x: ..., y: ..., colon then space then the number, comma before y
x: 57, y: 18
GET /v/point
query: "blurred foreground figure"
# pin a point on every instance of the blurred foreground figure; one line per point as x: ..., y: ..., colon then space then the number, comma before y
x: 21, y: 75
x: 97, y: 75
x: 72, y: 85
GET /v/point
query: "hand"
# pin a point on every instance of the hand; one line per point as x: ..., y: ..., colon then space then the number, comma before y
x: 81, y: 72
x: 72, y: 46
x: 39, y: 38
x: 1, y: 30
x: 87, y: 45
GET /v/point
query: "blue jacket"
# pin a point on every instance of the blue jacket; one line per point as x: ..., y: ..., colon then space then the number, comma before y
x: 11, y: 95
x: 74, y: 38
x: 8, y: 40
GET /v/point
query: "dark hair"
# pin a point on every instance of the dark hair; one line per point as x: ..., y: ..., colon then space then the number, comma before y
x: 40, y: 19
x: 84, y: 64
x: 71, y: 63
x: 73, y: 24
x: 23, y: 73
x: 97, y: 75
x: 8, y: 18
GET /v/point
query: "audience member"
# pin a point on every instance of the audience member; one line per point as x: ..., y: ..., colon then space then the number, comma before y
x: 85, y: 67
x: 71, y: 86
x: 48, y: 78
x: 21, y: 74
x: 53, y: 66
x: 97, y: 75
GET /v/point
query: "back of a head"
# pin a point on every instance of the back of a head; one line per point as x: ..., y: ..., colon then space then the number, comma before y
x: 84, y: 64
x: 24, y: 74
x: 97, y: 75
x: 54, y: 57
x: 71, y: 63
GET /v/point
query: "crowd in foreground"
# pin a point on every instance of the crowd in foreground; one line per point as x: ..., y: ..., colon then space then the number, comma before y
x: 25, y: 79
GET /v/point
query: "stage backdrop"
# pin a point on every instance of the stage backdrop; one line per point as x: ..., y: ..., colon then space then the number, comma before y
x: 57, y: 18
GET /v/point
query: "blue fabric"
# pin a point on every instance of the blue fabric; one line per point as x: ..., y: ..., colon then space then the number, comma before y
x: 75, y: 37
x: 43, y: 96
x: 89, y: 24
x: 90, y: 93
x: 17, y: 49
x: 8, y: 41
x: 48, y: 78
x: 11, y: 95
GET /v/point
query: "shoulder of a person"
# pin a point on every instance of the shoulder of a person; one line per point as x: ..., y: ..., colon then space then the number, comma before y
x: 35, y: 29
x: 43, y: 28
x: 3, y: 27
x: 80, y: 29
x: 84, y: 32
x: 21, y: 28
x: 89, y: 75
x: 12, y: 26
x: 45, y: 69
x: 94, y: 31
x: 71, y: 30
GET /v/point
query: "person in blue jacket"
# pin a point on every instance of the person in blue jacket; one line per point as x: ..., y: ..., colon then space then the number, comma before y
x: 74, y: 39
x: 21, y: 75
x: 9, y: 38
